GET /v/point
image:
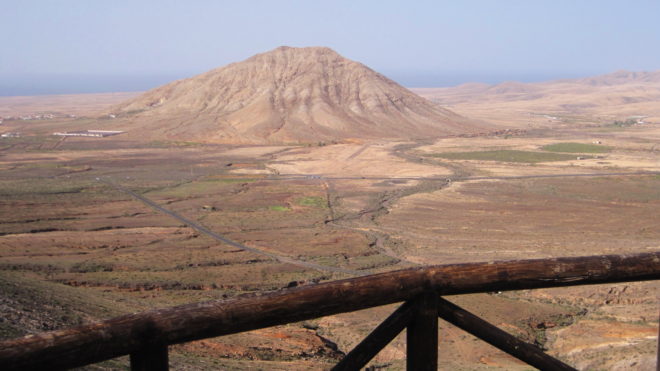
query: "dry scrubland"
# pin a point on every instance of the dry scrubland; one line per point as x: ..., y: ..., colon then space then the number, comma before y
x: 61, y: 105
x: 74, y: 249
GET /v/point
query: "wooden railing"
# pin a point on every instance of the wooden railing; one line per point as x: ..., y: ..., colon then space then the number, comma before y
x: 145, y: 336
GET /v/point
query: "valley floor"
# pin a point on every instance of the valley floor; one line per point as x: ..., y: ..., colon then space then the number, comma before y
x: 74, y: 248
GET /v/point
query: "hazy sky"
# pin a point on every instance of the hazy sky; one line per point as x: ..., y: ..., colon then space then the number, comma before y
x: 69, y: 46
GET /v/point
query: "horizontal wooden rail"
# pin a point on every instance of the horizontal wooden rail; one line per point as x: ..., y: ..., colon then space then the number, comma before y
x: 131, y: 333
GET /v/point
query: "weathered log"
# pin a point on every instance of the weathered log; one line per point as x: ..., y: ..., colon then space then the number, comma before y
x: 126, y: 334
x: 422, y: 334
x: 377, y: 339
x: 502, y: 340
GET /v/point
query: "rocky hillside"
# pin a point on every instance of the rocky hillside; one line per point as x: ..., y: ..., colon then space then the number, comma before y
x: 288, y: 95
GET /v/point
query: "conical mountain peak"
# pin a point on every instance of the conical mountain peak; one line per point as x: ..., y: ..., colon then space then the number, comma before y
x: 289, y: 94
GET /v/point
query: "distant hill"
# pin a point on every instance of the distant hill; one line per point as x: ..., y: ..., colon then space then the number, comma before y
x: 622, y: 77
x: 288, y: 95
x: 593, y: 100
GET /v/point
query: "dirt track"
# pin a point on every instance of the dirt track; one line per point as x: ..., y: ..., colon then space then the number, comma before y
x: 225, y: 240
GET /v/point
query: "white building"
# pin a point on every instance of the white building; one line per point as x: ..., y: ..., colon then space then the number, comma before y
x: 89, y: 133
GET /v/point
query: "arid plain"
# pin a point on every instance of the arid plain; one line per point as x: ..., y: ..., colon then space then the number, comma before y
x: 537, y: 179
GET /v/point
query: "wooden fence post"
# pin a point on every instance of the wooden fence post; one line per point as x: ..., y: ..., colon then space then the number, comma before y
x: 422, y: 334
x: 153, y: 358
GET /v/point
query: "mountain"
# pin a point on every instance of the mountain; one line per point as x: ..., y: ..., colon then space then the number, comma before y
x: 288, y: 95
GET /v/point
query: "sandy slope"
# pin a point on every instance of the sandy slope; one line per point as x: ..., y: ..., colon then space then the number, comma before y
x: 288, y: 95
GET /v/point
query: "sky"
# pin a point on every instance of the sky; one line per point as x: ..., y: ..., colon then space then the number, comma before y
x: 80, y: 46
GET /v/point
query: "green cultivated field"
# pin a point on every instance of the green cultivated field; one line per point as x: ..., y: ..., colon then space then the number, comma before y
x: 505, y: 156
x: 571, y: 147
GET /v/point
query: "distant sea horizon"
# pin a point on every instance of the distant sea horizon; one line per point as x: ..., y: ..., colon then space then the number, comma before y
x: 45, y: 84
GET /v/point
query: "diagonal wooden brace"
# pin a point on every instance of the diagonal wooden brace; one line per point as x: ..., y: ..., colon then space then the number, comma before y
x: 500, y: 339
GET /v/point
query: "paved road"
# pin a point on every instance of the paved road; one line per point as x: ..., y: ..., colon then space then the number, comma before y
x: 206, y: 231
